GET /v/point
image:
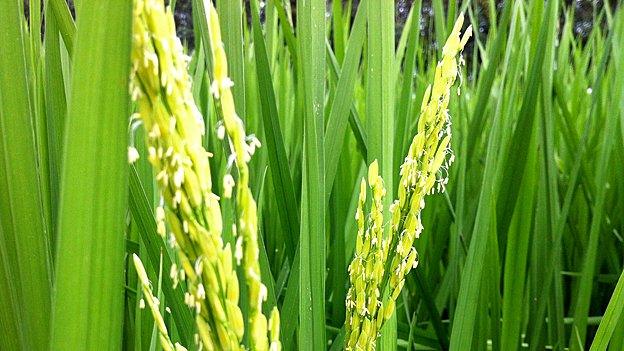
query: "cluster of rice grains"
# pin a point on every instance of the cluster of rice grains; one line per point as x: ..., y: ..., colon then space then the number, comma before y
x: 161, y: 86
x: 381, y: 262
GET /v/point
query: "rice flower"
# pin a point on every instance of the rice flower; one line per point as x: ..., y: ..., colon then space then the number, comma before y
x: 161, y: 86
x: 380, y: 263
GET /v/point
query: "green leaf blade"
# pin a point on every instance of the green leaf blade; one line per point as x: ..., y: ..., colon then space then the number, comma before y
x: 88, y: 295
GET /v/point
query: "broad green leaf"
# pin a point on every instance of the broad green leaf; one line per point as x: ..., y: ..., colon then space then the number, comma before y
x: 24, y: 237
x: 88, y: 298
x: 311, y: 51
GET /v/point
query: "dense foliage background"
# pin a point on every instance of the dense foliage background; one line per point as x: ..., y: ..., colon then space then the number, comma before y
x: 523, y: 251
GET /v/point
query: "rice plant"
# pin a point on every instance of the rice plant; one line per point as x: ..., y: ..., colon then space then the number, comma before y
x: 288, y: 179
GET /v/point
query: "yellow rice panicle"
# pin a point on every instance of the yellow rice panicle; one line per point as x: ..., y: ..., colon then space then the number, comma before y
x: 243, y: 147
x: 161, y: 87
x: 376, y: 268
x: 364, y: 297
